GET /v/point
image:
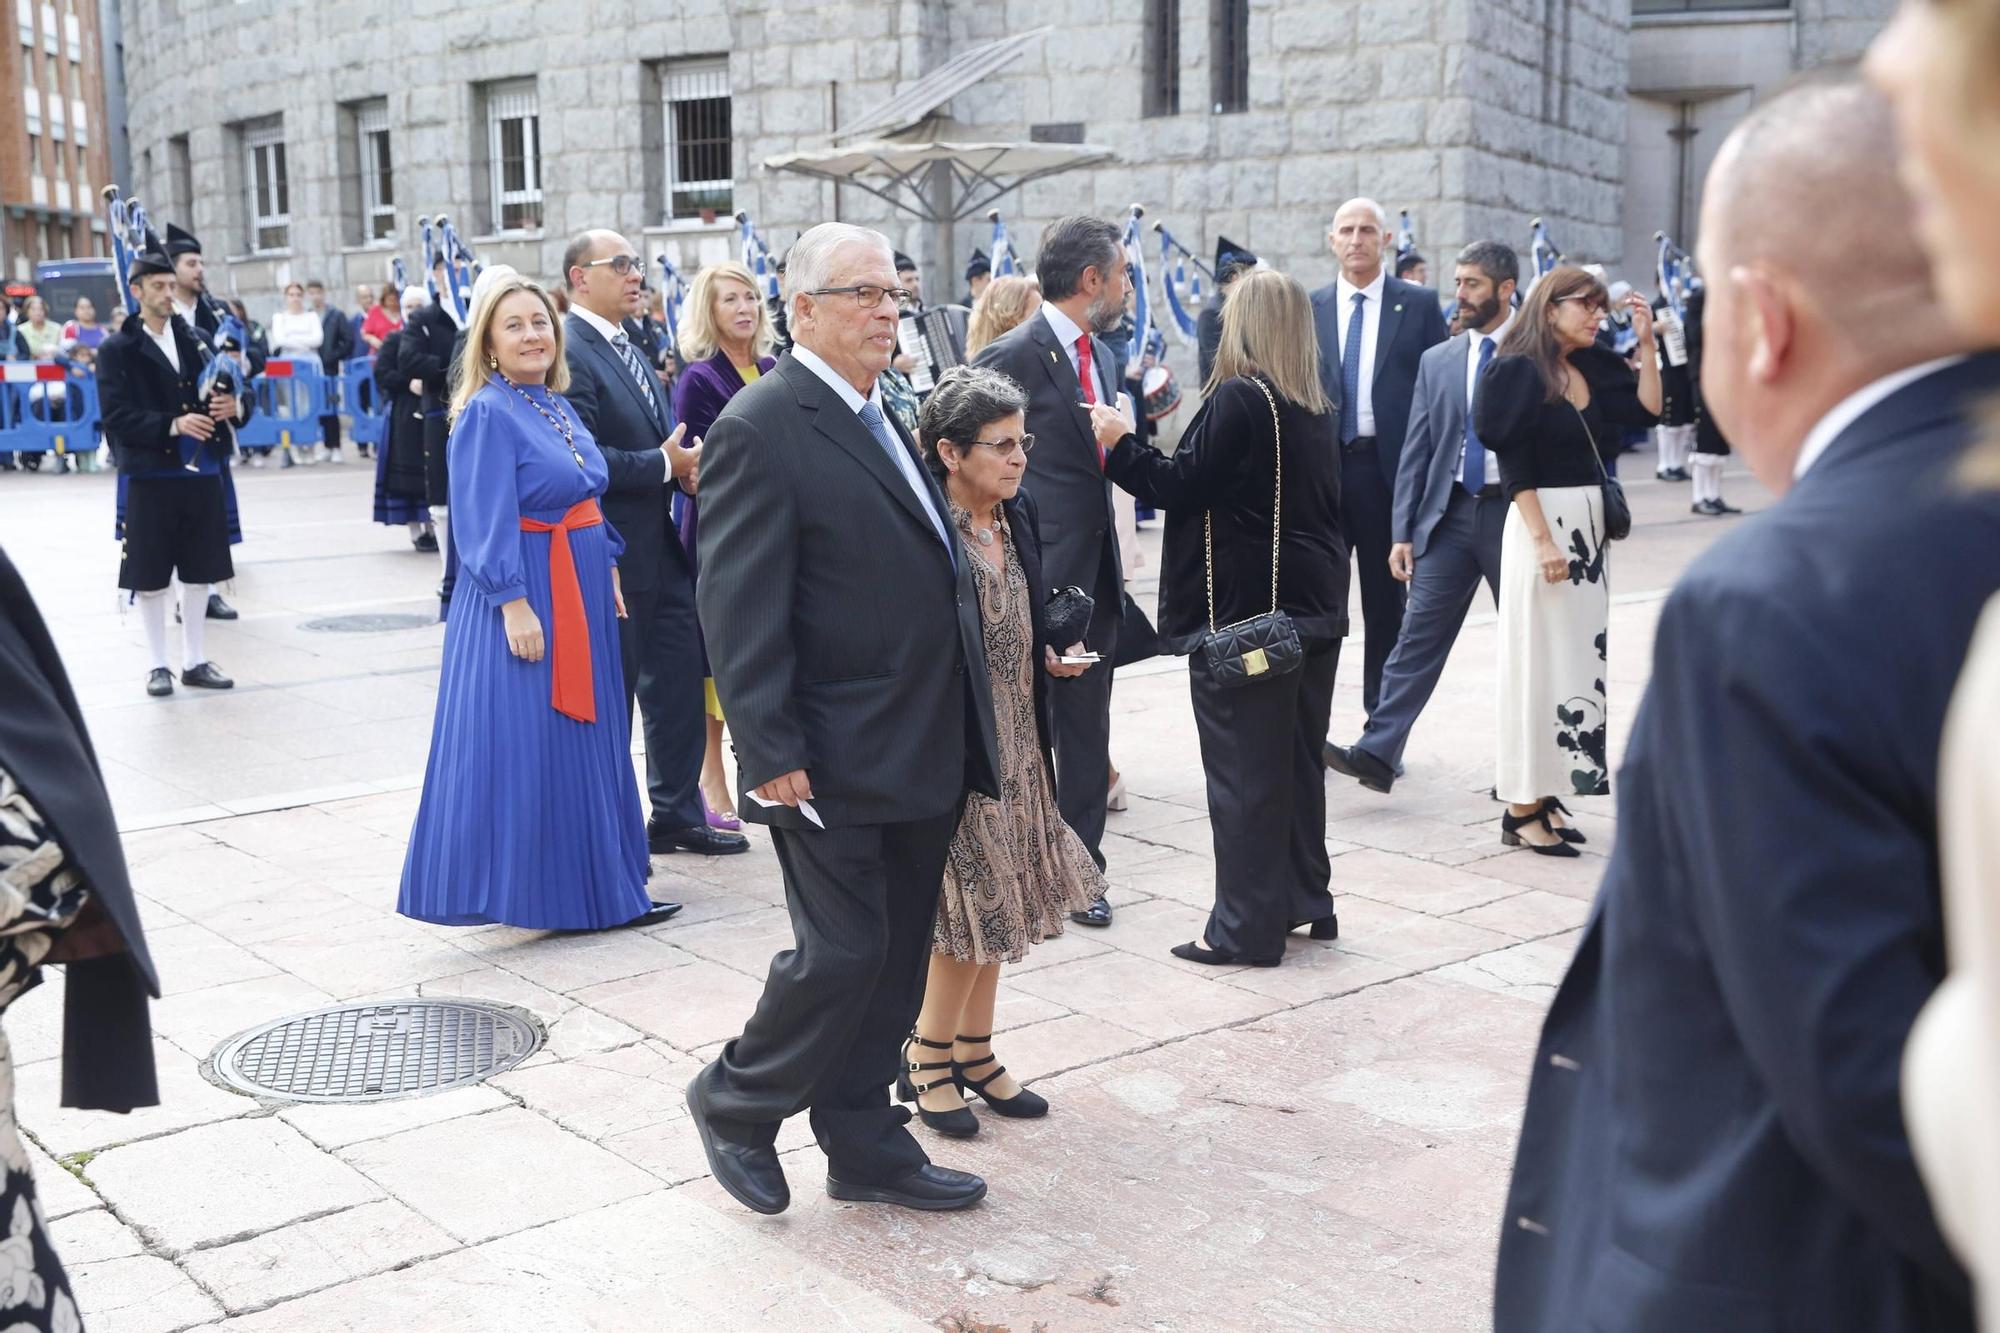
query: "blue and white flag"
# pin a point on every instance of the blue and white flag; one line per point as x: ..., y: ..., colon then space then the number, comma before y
x: 1406, y: 236
x: 673, y: 294
x: 1004, y: 262
x: 1543, y: 255
x: 1181, y: 285
x: 757, y: 257
x: 1142, y: 305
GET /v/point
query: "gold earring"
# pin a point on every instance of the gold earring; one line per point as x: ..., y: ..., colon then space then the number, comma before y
x: 492, y: 362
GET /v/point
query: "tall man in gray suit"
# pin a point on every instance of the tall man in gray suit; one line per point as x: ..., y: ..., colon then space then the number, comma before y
x: 843, y: 629
x: 1373, y: 329
x: 1448, y: 513
x: 1061, y: 359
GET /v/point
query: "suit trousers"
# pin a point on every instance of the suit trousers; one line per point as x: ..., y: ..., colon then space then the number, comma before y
x: 1263, y: 752
x: 1463, y: 548
x: 1082, y: 707
x: 661, y: 648
x: 826, y: 1033
x: 1365, y: 504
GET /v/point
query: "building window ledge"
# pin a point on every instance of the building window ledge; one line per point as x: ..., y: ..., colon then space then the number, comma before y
x: 1712, y: 17
x: 508, y: 237
x: 722, y: 226
x: 258, y: 256
x: 377, y: 247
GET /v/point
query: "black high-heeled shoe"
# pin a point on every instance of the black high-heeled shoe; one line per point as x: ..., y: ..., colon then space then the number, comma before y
x: 957, y: 1123
x: 1565, y: 833
x: 1511, y: 824
x: 1325, y: 928
x: 1023, y: 1105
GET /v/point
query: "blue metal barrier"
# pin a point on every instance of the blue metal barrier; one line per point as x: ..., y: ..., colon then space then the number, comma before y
x: 291, y: 397
x: 47, y: 408
x: 366, y: 409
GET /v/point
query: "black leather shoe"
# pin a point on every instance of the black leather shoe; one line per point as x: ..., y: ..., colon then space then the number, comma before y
x: 752, y: 1176
x: 1354, y: 762
x: 426, y: 542
x: 1326, y: 928
x: 1097, y: 914
x: 1195, y: 953
x: 159, y: 682
x: 206, y: 677
x: 655, y: 914
x: 219, y: 609
x: 934, y: 1189
x: 698, y: 838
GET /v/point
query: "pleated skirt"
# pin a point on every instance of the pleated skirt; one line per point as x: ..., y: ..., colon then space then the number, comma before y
x: 528, y: 818
x: 1552, y: 708
x: 395, y: 507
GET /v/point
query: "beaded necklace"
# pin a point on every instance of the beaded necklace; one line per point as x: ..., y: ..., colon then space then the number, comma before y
x: 559, y: 422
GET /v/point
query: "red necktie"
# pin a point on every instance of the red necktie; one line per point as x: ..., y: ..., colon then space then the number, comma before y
x: 571, y: 691
x: 1088, y: 381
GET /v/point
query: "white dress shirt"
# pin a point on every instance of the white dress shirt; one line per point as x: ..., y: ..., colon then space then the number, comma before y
x: 906, y: 464
x: 164, y: 340
x: 1851, y: 408
x: 1067, y: 332
x: 597, y: 321
x: 1371, y: 325
x: 1472, y: 384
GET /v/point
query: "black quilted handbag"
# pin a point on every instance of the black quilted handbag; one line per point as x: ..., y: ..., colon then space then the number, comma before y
x: 1265, y: 646
x: 1066, y: 618
x: 1617, y: 509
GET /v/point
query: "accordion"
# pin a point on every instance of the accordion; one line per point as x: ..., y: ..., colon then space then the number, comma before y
x: 935, y: 340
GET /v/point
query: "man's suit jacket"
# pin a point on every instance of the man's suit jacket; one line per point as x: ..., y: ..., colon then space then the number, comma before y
x: 1714, y: 1137
x: 629, y: 430
x: 1079, y: 534
x: 139, y: 395
x: 1432, y: 443
x: 1411, y: 324
x: 844, y: 636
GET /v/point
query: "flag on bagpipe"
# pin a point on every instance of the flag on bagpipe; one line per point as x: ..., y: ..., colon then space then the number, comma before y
x: 1674, y: 272
x: 673, y: 293
x: 440, y: 241
x: 1182, y: 288
x: 757, y: 257
x: 1142, y: 303
x: 1542, y: 253
x: 1005, y: 263
x: 1406, y: 236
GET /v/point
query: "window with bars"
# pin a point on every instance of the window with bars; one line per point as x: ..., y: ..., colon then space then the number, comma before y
x: 1161, y: 93
x: 269, y: 189
x: 378, y: 176
x: 695, y: 107
x: 514, y: 155
x: 1229, y: 55
x: 180, y: 176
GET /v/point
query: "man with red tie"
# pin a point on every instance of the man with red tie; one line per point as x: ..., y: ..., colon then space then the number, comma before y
x: 1061, y: 359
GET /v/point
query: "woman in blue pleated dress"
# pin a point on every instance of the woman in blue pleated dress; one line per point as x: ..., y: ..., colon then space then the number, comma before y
x: 530, y: 812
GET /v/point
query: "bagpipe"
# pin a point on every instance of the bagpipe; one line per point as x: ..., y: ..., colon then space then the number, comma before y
x: 673, y: 295
x: 461, y: 268
x: 1543, y: 255
x: 757, y: 257
x: 1142, y: 303
x: 1182, y: 288
x: 1005, y: 262
x: 1673, y: 271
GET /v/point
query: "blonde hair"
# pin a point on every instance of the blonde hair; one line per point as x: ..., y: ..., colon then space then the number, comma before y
x: 699, y: 335
x: 1005, y: 303
x: 469, y: 375
x: 1267, y: 330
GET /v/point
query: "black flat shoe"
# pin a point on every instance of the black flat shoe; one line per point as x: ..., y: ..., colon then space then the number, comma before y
x: 751, y: 1176
x: 957, y: 1123
x: 1097, y: 914
x: 1326, y: 928
x: 1023, y: 1105
x: 159, y: 682
x: 933, y: 1189
x: 219, y: 609
x: 426, y: 542
x: 1510, y: 826
x: 1567, y: 834
x: 206, y: 677
x: 698, y: 838
x: 655, y: 914
x: 1195, y: 953
x: 1352, y: 761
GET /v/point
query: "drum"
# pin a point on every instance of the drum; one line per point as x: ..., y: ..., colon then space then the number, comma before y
x: 1161, y: 395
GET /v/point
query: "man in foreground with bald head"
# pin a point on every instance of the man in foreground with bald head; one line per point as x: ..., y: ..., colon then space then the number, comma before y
x: 1713, y: 1137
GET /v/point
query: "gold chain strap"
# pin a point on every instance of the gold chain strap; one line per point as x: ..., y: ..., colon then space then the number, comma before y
x: 1277, y: 500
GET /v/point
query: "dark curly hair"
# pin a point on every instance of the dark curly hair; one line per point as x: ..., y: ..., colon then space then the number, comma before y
x: 967, y: 399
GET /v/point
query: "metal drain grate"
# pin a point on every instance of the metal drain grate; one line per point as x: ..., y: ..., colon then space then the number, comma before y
x: 369, y: 622
x: 372, y: 1052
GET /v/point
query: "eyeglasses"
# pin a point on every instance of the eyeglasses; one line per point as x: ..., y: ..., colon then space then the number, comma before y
x: 620, y: 264
x: 1006, y: 448
x: 868, y: 296
x: 1592, y: 303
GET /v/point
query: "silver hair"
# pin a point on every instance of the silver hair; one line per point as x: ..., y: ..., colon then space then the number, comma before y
x: 809, y: 263
x: 966, y: 400
x: 1381, y: 213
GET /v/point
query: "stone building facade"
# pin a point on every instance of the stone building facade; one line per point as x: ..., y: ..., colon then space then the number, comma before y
x: 1247, y: 118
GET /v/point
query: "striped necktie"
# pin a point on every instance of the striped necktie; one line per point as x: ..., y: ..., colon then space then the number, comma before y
x: 637, y: 369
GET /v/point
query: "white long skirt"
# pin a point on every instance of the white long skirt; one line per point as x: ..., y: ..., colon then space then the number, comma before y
x: 1552, y: 654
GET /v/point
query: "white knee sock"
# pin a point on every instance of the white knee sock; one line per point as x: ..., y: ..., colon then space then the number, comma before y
x: 1707, y: 477
x: 194, y: 622
x: 153, y: 615
x: 416, y: 528
x: 1663, y: 440
x: 439, y: 517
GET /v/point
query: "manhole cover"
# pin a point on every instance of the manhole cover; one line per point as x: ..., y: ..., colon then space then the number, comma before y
x: 369, y: 622
x: 371, y: 1052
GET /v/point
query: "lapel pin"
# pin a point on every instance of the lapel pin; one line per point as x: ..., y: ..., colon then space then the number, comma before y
x: 1399, y: 307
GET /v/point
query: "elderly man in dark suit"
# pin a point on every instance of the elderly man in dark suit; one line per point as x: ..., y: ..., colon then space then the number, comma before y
x: 1061, y: 359
x: 843, y: 630
x: 620, y: 399
x: 1714, y: 1137
x: 1373, y: 330
x: 1447, y: 517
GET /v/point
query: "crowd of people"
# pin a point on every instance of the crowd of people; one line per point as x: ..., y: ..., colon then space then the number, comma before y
x: 1760, y: 1099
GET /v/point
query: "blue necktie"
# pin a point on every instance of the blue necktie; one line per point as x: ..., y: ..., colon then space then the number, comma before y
x: 871, y: 417
x: 1350, y: 376
x: 1475, y: 448
x: 636, y: 369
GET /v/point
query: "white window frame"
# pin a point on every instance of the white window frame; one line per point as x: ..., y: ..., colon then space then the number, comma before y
x: 371, y: 125
x: 51, y: 40
x: 24, y: 19
x: 514, y: 101
x: 703, y: 78
x: 271, y: 213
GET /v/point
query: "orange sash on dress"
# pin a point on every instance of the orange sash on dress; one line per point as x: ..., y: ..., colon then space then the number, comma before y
x: 573, y: 693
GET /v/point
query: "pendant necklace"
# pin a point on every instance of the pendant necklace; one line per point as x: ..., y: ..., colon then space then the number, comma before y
x: 558, y: 421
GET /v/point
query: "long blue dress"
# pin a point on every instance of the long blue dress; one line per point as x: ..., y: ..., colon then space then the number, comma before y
x: 528, y: 817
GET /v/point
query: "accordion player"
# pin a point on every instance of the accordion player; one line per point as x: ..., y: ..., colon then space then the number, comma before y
x: 934, y: 338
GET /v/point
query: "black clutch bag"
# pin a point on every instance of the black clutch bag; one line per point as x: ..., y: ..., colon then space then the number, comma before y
x: 1265, y: 646
x: 1066, y: 618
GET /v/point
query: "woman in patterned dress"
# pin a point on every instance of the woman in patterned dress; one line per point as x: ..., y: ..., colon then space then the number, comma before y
x: 1015, y: 870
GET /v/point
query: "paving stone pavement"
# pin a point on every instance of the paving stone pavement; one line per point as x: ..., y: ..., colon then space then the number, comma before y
x: 1319, y: 1146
